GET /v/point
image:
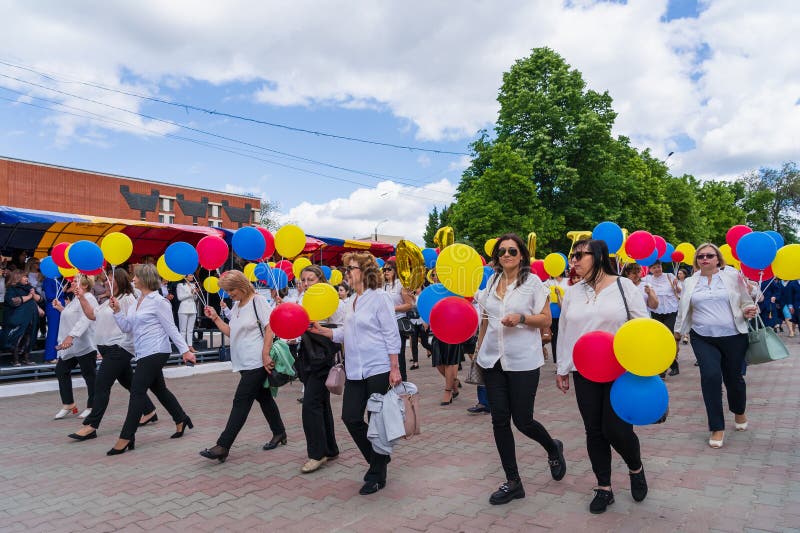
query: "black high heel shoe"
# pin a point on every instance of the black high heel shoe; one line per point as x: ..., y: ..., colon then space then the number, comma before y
x: 92, y: 435
x: 451, y: 398
x: 277, y: 439
x: 130, y: 446
x: 220, y: 453
x: 153, y: 418
x: 186, y: 422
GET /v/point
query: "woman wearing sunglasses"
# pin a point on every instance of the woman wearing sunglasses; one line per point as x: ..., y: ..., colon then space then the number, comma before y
x: 515, y: 307
x: 714, y: 308
x: 598, y: 303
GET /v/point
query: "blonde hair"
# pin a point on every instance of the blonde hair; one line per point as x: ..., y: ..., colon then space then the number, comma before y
x: 716, y: 251
x: 370, y: 271
x: 148, y: 277
x: 86, y: 281
x: 235, y: 279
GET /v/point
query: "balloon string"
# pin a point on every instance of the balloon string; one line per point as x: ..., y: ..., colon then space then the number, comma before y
x: 200, y: 292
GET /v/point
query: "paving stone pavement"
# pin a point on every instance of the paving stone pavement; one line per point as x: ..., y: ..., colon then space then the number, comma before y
x: 439, y: 481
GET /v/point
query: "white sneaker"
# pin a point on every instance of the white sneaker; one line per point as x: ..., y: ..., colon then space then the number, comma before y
x: 64, y: 412
x: 85, y: 413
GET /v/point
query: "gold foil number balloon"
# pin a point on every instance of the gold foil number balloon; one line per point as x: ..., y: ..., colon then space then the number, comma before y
x: 532, y: 244
x: 410, y: 265
x: 444, y: 237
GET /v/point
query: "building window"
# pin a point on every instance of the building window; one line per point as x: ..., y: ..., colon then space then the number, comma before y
x: 215, y: 223
x: 215, y: 211
x: 166, y: 219
x: 167, y: 204
x: 254, y: 216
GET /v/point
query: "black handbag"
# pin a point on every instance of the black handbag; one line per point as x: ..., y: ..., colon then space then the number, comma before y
x: 405, y: 326
x: 413, y: 313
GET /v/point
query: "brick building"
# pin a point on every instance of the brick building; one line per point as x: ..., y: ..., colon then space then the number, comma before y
x: 46, y: 187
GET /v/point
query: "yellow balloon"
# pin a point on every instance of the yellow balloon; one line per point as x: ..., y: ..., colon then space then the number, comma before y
x: 336, y: 277
x: 786, y: 265
x: 250, y: 272
x: 320, y: 301
x: 290, y: 241
x: 644, y: 346
x: 271, y: 264
x: 444, y: 237
x: 429, y: 277
x: 488, y: 246
x: 165, y: 272
x: 688, y: 252
x: 211, y: 284
x: 532, y: 244
x: 623, y: 257
x: 299, y: 264
x: 460, y: 269
x: 727, y: 254
x: 555, y: 265
x: 555, y: 292
x: 117, y: 248
x: 68, y: 272
x: 410, y: 265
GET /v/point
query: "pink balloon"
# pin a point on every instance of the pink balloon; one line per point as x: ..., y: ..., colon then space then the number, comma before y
x: 733, y: 235
x: 286, y: 266
x: 640, y: 244
x: 645, y: 270
x: 593, y: 356
x: 269, y: 239
x: 677, y: 256
x: 212, y: 252
x: 661, y: 245
x: 453, y: 320
x: 537, y: 267
x: 289, y: 320
x: 59, y: 255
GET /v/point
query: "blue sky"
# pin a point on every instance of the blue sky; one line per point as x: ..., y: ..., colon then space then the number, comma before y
x: 708, y: 80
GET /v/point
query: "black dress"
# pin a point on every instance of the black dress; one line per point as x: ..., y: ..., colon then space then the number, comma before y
x: 446, y: 354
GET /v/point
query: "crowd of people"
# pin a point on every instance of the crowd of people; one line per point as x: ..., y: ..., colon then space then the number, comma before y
x: 117, y: 320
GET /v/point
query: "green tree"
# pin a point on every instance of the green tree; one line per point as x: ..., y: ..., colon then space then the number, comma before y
x: 431, y: 227
x: 772, y: 199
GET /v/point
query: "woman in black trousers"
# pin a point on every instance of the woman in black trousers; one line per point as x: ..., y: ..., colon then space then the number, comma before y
x: 251, y: 340
x: 151, y: 323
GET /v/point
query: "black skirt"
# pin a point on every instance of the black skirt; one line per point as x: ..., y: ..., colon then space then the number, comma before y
x: 446, y: 354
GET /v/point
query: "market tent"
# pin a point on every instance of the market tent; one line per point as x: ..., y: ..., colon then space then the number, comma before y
x: 333, y: 248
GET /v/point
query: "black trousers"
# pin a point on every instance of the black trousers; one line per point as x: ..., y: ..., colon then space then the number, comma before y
x: 414, y: 337
x: 354, y: 405
x: 63, y: 371
x: 115, y: 366
x: 668, y: 319
x: 401, y: 357
x: 604, y: 429
x: 721, y: 361
x: 251, y: 389
x: 149, y: 375
x: 554, y: 340
x: 318, y: 418
x: 511, y: 395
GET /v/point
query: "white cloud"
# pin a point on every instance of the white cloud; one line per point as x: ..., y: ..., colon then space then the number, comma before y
x: 424, y: 161
x: 460, y: 164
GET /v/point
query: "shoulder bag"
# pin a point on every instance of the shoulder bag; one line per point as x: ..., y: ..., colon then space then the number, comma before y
x: 280, y: 353
x: 336, y: 376
x: 624, y: 300
x: 764, y: 344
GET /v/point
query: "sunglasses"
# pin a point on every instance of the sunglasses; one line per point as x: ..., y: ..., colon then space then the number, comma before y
x: 350, y: 268
x: 577, y: 256
x: 388, y: 270
x: 706, y: 256
x: 511, y: 251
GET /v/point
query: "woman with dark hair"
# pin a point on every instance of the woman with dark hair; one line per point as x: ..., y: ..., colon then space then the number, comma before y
x: 372, y: 342
x: 116, y: 348
x: 515, y: 307
x: 403, y: 301
x: 633, y: 272
x: 601, y: 301
x: 21, y: 319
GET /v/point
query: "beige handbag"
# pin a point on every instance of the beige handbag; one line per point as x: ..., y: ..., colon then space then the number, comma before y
x: 411, y: 407
x: 336, y: 377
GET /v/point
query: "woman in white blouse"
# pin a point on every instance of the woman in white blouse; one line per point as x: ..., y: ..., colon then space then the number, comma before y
x: 151, y: 323
x: 76, y: 345
x: 713, y: 310
x: 251, y: 340
x: 601, y: 301
x: 187, y: 309
x: 372, y: 342
x: 515, y: 307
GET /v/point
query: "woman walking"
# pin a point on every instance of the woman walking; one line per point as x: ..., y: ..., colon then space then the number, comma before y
x: 251, y: 340
x: 403, y: 301
x: 151, y: 323
x: 515, y: 308
x: 600, y: 301
x: 187, y: 309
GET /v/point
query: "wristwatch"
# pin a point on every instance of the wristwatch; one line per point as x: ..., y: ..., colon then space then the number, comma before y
x: 521, y: 319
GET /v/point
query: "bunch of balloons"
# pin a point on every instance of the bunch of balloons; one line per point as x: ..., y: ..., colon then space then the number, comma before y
x: 761, y: 255
x: 641, y: 246
x: 67, y: 259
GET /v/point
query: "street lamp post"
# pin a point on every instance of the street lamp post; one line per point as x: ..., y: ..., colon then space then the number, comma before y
x: 377, y: 226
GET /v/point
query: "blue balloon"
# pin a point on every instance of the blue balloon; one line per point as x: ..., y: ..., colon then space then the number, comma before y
x: 555, y: 310
x: 277, y: 279
x: 49, y: 268
x: 756, y: 250
x: 649, y: 260
x: 566, y: 259
x: 487, y: 273
x: 380, y: 262
x: 639, y: 400
x: 430, y: 256
x: 429, y: 296
x: 181, y: 258
x: 779, y: 242
x: 261, y: 271
x: 609, y: 232
x: 326, y: 270
x: 223, y: 294
x: 85, y: 256
x: 667, y: 256
x: 249, y: 243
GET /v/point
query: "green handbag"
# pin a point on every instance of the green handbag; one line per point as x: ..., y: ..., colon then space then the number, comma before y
x: 765, y: 345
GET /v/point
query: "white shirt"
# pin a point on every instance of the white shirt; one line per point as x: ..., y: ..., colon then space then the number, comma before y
x: 187, y: 299
x: 667, y: 300
x: 152, y: 326
x: 395, y: 290
x: 711, y: 310
x: 739, y: 299
x: 518, y: 348
x: 106, y: 330
x: 582, y: 311
x: 369, y: 334
x: 247, y: 341
x: 641, y: 286
x: 74, y: 323
x: 340, y: 314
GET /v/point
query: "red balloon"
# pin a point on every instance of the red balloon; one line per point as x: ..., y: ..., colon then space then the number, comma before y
x: 483, y: 260
x: 677, y: 256
x: 661, y: 245
x: 755, y: 274
x: 640, y: 245
x: 733, y: 235
x: 289, y: 320
x: 645, y: 270
x: 537, y: 267
x: 392, y: 258
x: 60, y: 255
x: 594, y: 357
x: 453, y: 320
x: 97, y: 272
x: 286, y: 266
x: 212, y: 251
x: 269, y: 239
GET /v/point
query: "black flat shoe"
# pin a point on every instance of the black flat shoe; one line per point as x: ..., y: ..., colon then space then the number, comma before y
x: 371, y: 487
x: 219, y: 453
x: 186, y: 422
x: 413, y: 366
x: 638, y: 485
x: 674, y: 372
x: 510, y: 490
x: 92, y: 435
x: 130, y: 446
x: 602, y: 499
x: 558, y: 466
x: 277, y: 439
x: 152, y: 419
